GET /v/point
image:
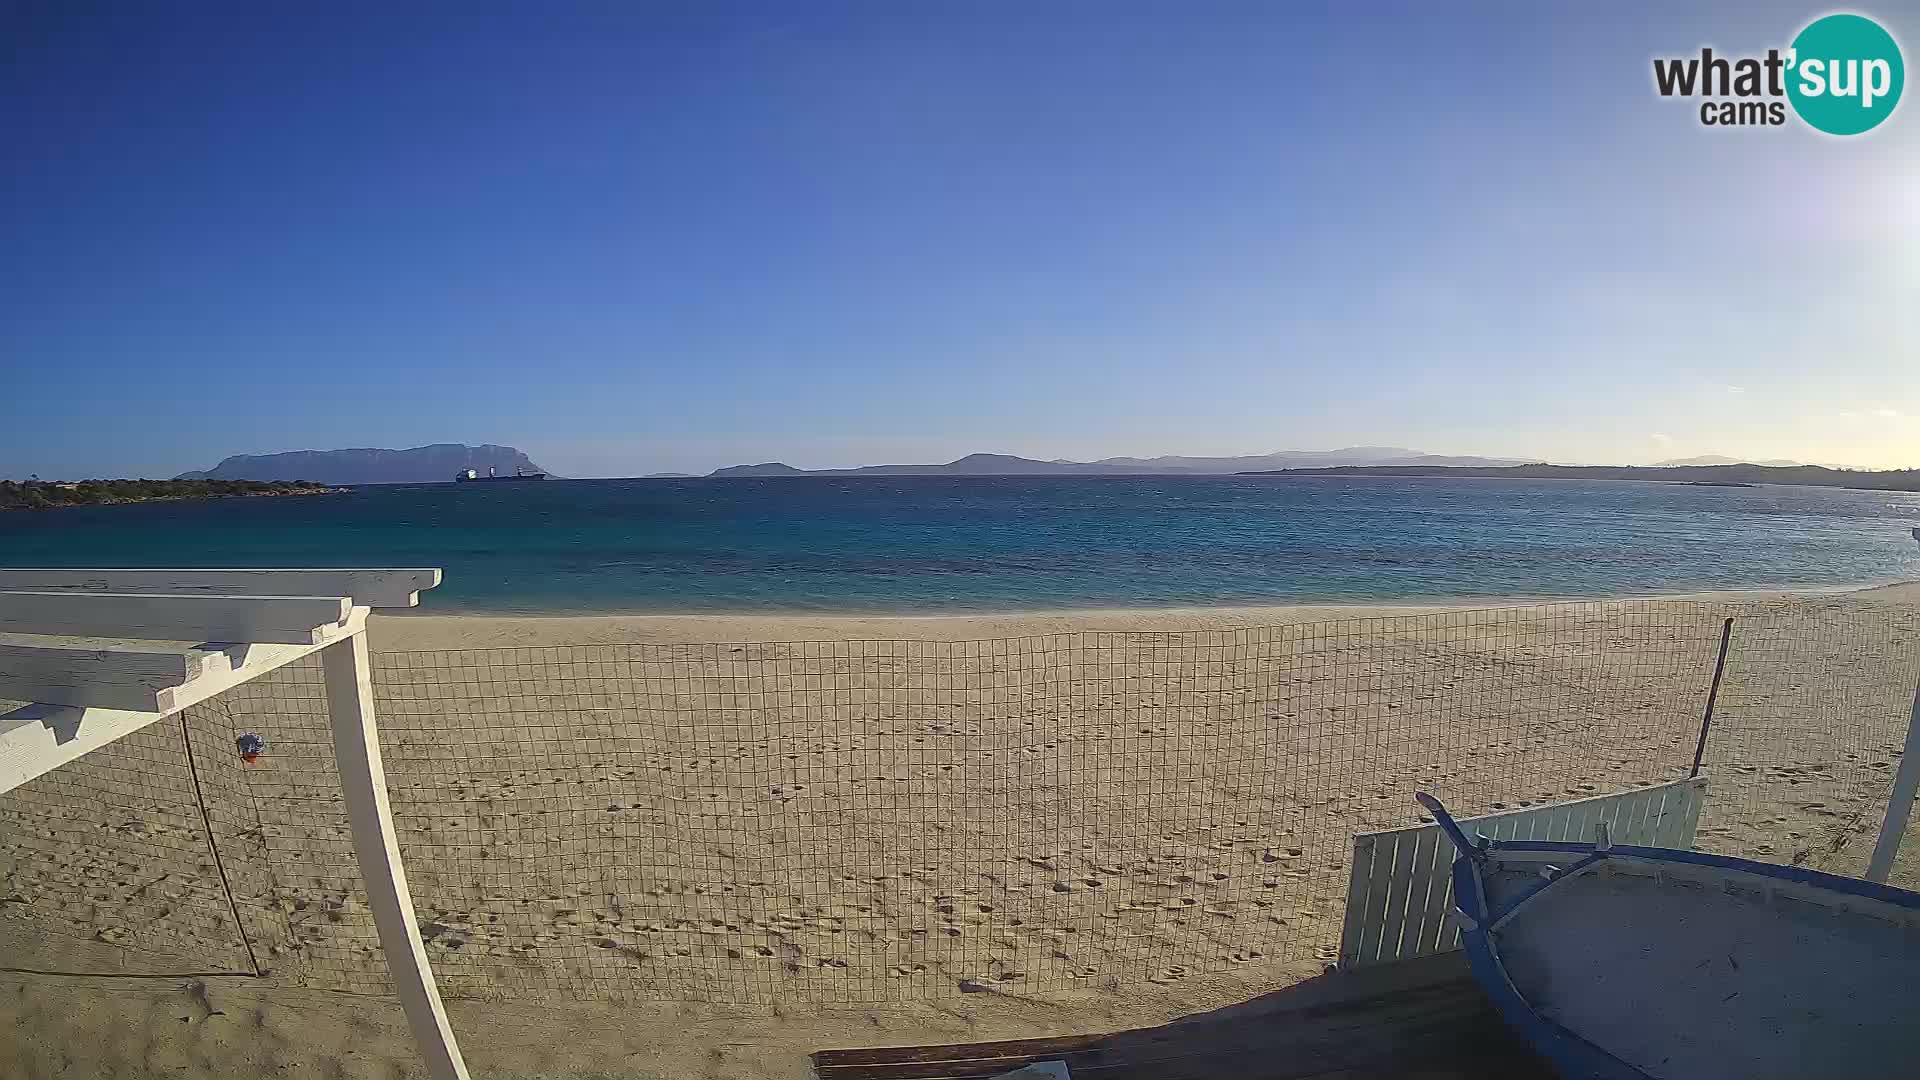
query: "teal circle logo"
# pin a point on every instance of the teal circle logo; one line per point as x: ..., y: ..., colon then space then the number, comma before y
x: 1845, y: 74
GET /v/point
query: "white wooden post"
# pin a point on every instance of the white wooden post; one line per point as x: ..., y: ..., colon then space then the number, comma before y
x: 1906, y: 782
x: 363, y: 781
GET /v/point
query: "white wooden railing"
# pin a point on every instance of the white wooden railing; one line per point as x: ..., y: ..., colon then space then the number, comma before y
x: 100, y: 654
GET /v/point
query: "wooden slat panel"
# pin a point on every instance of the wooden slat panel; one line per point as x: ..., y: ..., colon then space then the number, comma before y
x: 1633, y: 818
x: 1688, y: 825
x: 1423, y: 915
x: 1673, y: 815
x: 1385, y: 847
x: 1546, y: 824
x: 1655, y: 817
x: 278, y: 619
x: 1550, y: 823
x: 1359, y: 884
x: 1399, y: 878
x: 1578, y: 826
x: 1616, y: 821
x: 368, y: 588
x: 1397, y: 910
x: 1579, y: 822
x: 1620, y: 820
x: 1439, y: 898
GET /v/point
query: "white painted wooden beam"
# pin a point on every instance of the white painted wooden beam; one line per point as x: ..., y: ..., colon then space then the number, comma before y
x: 38, y: 738
x: 281, y: 619
x: 86, y: 671
x: 368, y: 588
x: 363, y: 783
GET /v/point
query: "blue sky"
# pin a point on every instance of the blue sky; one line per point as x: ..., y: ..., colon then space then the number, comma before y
x: 840, y: 234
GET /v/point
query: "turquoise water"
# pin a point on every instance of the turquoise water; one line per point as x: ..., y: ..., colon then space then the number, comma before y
x: 962, y: 543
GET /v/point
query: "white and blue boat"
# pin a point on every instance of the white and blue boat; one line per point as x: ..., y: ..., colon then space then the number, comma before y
x: 1622, y: 962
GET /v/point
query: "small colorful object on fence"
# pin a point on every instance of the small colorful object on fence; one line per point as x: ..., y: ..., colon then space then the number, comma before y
x: 251, y: 746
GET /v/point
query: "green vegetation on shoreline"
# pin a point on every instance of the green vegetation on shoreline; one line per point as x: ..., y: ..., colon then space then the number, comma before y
x: 44, y: 495
x: 1711, y: 475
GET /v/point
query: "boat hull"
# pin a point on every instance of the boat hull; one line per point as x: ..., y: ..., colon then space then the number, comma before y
x: 1649, y: 962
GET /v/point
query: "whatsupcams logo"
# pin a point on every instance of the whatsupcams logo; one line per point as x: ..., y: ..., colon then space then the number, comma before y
x: 1842, y: 75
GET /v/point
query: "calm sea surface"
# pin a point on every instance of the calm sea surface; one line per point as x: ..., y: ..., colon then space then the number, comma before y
x: 956, y: 544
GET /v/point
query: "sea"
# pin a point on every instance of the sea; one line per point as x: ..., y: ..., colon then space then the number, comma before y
x: 936, y: 544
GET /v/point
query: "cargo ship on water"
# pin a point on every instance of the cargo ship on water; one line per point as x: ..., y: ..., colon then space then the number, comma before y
x: 472, y: 476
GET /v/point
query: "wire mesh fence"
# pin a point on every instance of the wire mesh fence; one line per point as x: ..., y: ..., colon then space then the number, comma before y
x: 109, y: 867
x: 851, y: 821
x: 1807, y: 733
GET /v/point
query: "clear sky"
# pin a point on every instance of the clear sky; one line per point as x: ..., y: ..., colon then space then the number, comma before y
x: 838, y: 234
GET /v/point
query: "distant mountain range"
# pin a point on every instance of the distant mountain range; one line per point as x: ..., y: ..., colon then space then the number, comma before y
x: 1721, y: 459
x: 440, y: 462
x: 420, y: 465
x: 1741, y: 475
x: 1008, y: 465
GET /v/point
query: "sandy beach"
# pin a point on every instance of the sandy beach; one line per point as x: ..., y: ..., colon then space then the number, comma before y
x: 642, y: 848
x: 889, y: 530
x: 426, y: 631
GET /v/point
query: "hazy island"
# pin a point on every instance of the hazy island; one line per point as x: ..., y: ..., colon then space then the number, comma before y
x: 46, y: 495
x: 438, y: 463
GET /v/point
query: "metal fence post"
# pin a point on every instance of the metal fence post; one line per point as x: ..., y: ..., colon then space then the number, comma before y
x: 1713, y: 695
x: 1900, y: 801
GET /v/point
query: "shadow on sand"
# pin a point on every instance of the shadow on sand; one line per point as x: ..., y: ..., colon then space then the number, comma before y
x: 1420, y: 1018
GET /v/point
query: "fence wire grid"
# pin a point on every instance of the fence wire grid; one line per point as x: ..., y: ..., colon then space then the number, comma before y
x: 857, y: 821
